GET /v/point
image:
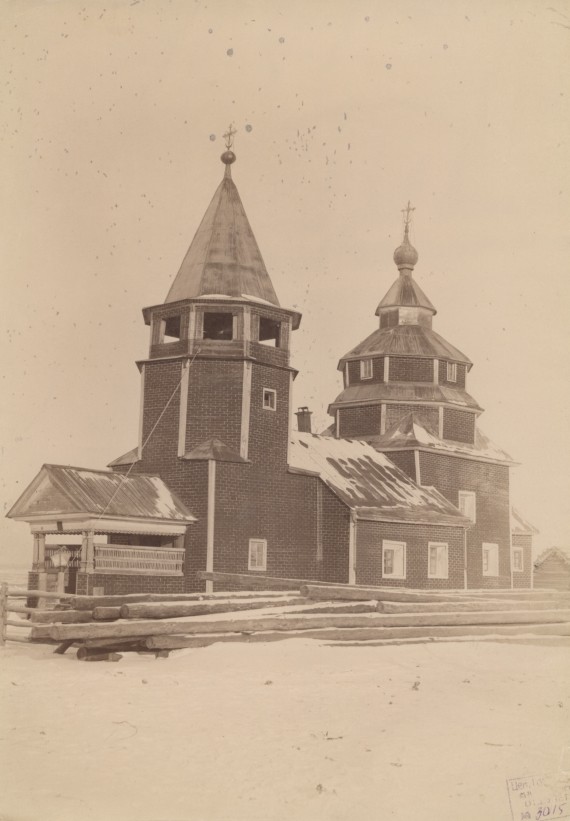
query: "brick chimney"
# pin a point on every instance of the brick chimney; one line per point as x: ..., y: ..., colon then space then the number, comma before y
x: 303, y: 420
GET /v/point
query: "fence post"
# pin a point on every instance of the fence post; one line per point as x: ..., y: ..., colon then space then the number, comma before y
x: 3, y: 612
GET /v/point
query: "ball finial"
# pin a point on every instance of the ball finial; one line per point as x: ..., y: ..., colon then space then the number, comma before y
x: 228, y: 157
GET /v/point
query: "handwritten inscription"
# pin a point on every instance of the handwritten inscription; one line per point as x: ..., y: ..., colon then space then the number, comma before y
x: 536, y: 798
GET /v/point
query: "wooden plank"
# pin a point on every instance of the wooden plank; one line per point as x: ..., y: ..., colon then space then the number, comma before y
x: 290, y: 622
x: 169, y: 610
x: 359, y: 634
x: 465, y: 606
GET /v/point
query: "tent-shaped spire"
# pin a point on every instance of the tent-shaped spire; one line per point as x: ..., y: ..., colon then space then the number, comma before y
x: 224, y: 258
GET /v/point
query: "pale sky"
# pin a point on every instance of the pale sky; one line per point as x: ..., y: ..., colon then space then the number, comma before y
x: 111, y: 122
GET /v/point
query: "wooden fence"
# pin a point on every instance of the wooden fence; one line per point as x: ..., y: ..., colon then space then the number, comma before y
x: 7, y: 607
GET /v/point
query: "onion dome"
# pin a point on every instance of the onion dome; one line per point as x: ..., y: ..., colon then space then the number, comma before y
x: 405, y: 255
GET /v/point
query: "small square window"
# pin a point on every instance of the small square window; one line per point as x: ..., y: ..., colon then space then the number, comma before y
x: 257, y: 554
x: 490, y: 559
x: 468, y: 504
x: 269, y: 399
x: 394, y: 560
x: 437, y: 560
x: 518, y: 561
x: 452, y: 372
x: 366, y: 369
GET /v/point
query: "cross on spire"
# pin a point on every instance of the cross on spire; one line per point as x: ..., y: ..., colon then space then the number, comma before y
x: 407, y: 214
x: 229, y: 136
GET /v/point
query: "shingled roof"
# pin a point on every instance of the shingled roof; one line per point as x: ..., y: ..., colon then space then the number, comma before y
x: 368, y: 483
x: 223, y: 258
x: 375, y: 392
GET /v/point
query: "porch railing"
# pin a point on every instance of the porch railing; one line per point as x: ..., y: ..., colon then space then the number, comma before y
x: 152, y: 561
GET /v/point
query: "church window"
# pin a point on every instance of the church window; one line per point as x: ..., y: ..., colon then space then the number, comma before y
x: 393, y: 560
x: 452, y: 371
x: 269, y: 332
x: 518, y: 563
x: 366, y: 369
x: 437, y: 560
x: 257, y: 554
x: 269, y: 399
x: 468, y: 504
x: 490, y: 559
x: 219, y: 326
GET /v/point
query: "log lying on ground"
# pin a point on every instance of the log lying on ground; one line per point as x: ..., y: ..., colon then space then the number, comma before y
x: 85, y: 651
x: 342, y: 593
x: 289, y: 622
x: 357, y: 634
x: 60, y: 616
x: 354, y: 593
x: 470, y: 606
x: 90, y: 602
x: 172, y: 610
x: 104, y: 657
x: 249, y: 580
x: 106, y: 613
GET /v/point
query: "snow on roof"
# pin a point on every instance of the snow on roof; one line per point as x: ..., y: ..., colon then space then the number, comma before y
x: 367, y: 482
x: 62, y: 489
x: 410, y: 432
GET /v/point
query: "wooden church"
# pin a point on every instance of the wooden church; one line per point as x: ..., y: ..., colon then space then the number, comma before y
x: 401, y: 490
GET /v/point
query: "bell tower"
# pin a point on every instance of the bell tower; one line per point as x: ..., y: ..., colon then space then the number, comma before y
x: 219, y: 353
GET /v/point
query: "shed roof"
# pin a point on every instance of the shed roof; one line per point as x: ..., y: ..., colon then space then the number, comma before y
x: 369, y: 483
x: 224, y: 258
x: 406, y: 340
x: 60, y: 490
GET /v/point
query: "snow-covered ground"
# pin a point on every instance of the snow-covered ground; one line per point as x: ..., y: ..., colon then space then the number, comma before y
x: 286, y: 730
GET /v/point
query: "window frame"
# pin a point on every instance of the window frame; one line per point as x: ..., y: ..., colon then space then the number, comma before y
x: 390, y: 544
x: 489, y: 571
x: 365, y: 366
x: 270, y: 392
x: 520, y: 551
x: 470, y: 494
x: 442, y: 574
x: 451, y: 374
x: 256, y: 568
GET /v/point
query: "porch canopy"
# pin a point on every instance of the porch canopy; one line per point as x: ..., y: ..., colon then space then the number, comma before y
x: 148, y: 521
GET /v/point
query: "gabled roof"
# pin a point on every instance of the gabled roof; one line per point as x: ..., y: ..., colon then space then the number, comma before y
x: 368, y: 483
x: 375, y: 392
x: 402, y: 340
x: 224, y: 258
x: 216, y: 450
x: 553, y: 553
x: 411, y: 432
x: 60, y: 490
x: 405, y: 292
x: 520, y: 525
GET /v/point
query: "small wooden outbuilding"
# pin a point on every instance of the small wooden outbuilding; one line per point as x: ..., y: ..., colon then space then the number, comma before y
x: 552, y: 569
